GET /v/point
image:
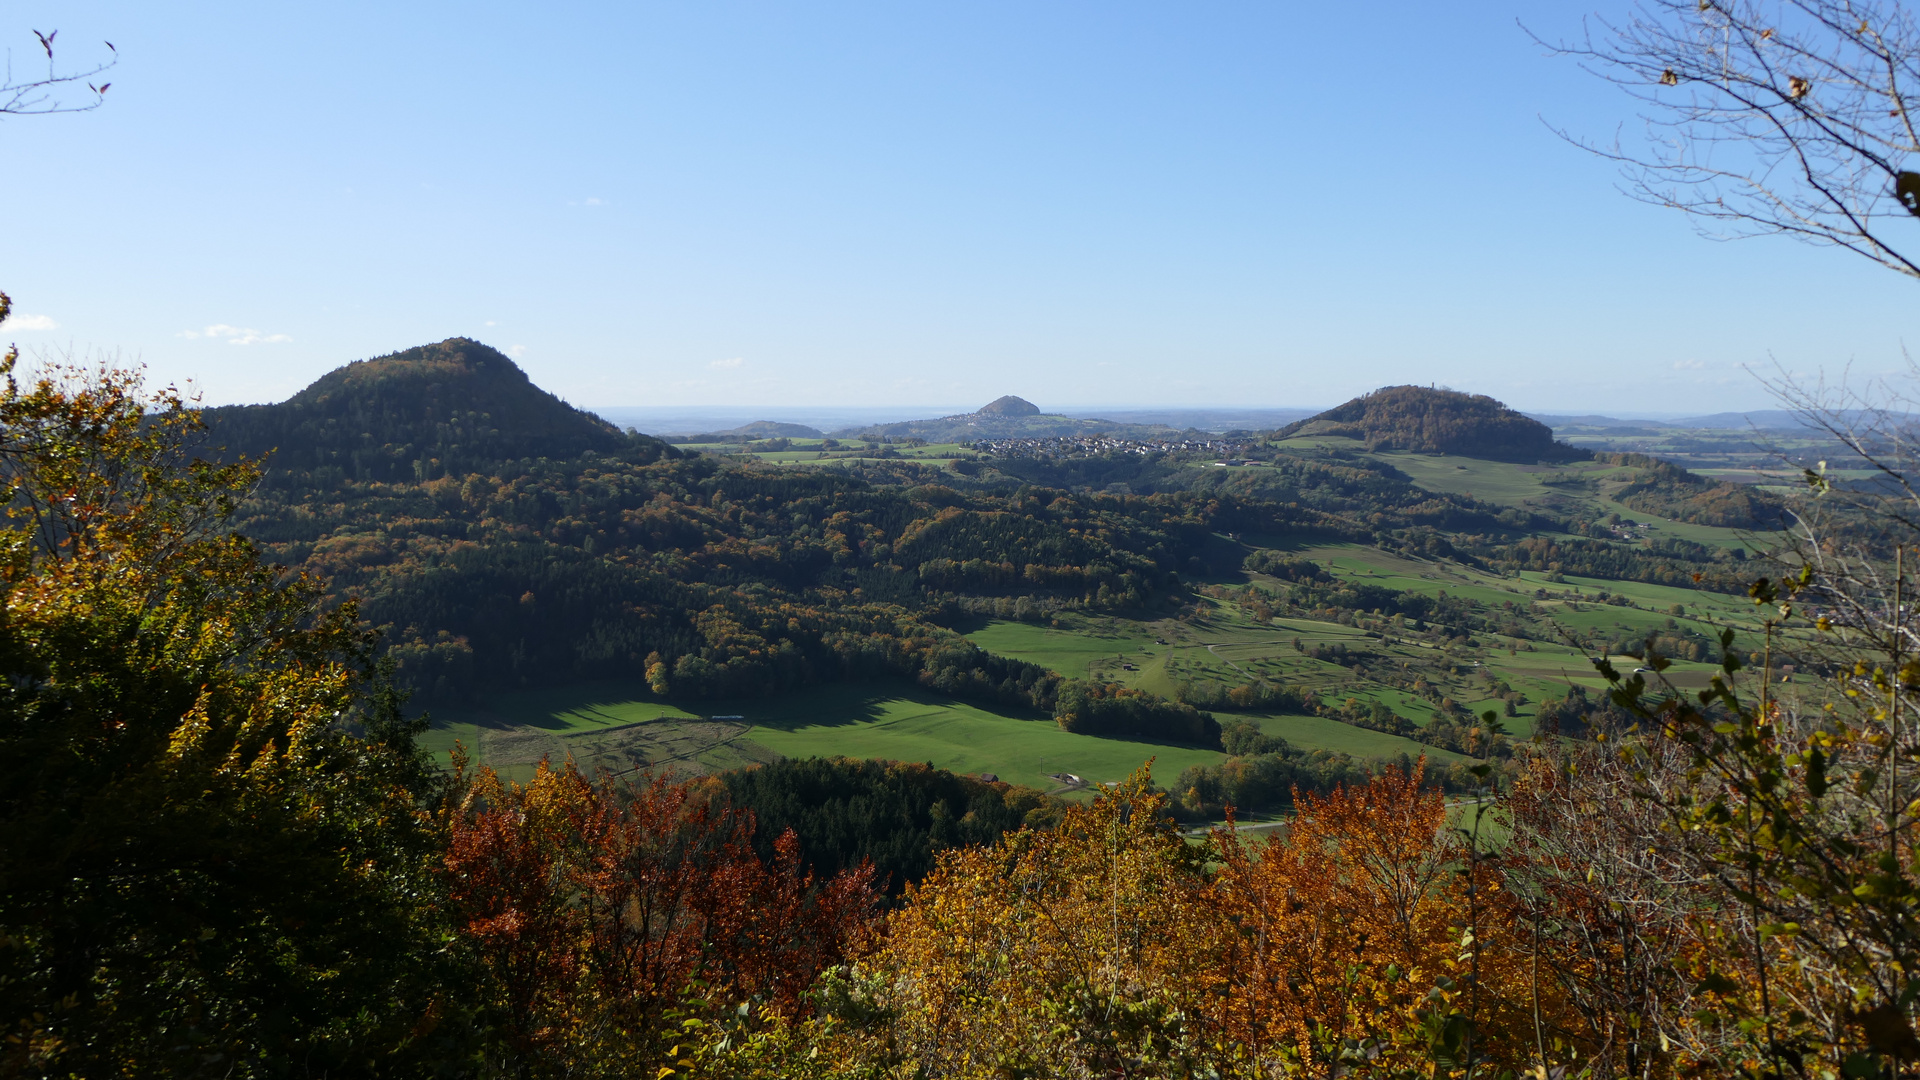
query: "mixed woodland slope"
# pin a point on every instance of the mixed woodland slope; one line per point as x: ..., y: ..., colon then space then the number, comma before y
x: 425, y: 412
x: 1670, y: 491
x: 1430, y: 421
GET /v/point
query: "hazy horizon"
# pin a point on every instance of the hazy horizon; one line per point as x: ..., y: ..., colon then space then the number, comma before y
x: 853, y: 204
x: 695, y: 419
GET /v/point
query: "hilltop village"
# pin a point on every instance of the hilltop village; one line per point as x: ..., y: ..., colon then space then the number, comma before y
x: 1066, y: 446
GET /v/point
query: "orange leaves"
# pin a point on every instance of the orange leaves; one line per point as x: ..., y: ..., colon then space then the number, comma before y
x: 1347, y: 920
x: 602, y: 906
x: 1362, y: 940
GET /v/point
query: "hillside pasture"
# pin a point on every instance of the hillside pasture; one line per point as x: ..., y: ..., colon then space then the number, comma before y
x: 621, y: 728
x: 1076, y: 647
x: 1370, y: 565
x: 1323, y: 733
x: 877, y: 720
x: 1552, y: 488
x: 1493, y: 481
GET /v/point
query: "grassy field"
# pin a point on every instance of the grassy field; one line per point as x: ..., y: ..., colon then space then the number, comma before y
x: 1372, y: 565
x: 607, y: 725
x: 1529, y: 486
x: 1078, y: 648
x: 1545, y: 668
x: 1218, y: 643
x: 865, y: 720
x: 1493, y: 481
x: 1539, y: 486
x: 1219, y: 646
x: 614, y: 725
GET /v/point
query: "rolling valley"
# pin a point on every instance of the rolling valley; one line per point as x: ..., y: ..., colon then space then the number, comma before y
x: 1357, y: 589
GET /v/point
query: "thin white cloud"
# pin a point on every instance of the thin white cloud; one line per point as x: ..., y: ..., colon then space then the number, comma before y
x: 490, y: 322
x: 24, y: 321
x: 516, y: 350
x: 1688, y: 365
x: 234, y: 335
x: 730, y: 362
x: 593, y: 202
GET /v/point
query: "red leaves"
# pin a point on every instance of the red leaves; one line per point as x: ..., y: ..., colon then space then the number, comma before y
x: 605, y: 904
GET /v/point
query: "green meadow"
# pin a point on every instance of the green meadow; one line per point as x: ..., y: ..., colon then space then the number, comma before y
x: 866, y: 720
x: 1322, y: 733
x: 616, y: 722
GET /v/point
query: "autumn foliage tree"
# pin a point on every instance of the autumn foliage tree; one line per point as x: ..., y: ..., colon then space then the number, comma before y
x: 1088, y: 949
x: 603, y: 911
x: 1369, y: 939
x: 1373, y: 936
x: 201, y: 871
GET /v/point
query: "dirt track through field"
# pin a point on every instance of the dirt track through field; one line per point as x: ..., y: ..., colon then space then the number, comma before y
x: 1228, y: 662
x: 665, y: 743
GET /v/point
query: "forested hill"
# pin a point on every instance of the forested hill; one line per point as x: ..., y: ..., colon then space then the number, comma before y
x: 435, y: 410
x: 1009, y: 405
x: 1432, y: 421
x: 1007, y: 417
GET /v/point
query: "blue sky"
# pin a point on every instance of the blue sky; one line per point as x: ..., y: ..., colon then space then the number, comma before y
x: 1087, y: 204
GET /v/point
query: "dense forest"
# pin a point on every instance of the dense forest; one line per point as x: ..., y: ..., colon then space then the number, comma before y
x: 1431, y: 421
x: 432, y: 411
x: 895, y: 816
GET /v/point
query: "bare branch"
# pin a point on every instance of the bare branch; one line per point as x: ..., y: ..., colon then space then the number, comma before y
x: 56, y: 91
x: 1769, y: 117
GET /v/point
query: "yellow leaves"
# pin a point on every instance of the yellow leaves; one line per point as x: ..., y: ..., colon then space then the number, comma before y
x: 190, y: 737
x: 1108, y: 936
x: 1058, y: 940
